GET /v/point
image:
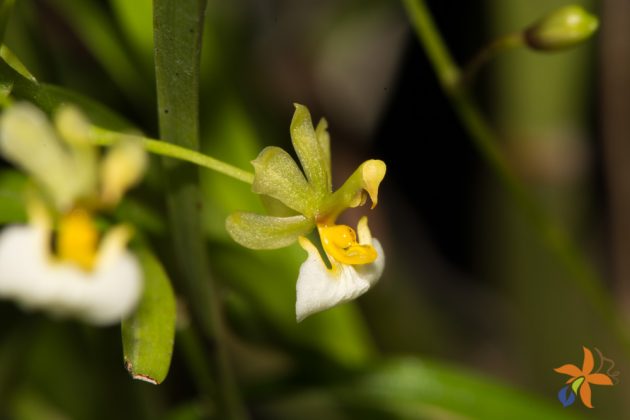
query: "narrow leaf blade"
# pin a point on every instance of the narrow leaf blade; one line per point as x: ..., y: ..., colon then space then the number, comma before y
x: 148, y: 335
x: 424, y: 388
x: 49, y: 97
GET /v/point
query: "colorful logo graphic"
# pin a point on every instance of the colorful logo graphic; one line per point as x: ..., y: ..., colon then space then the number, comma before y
x: 580, y: 380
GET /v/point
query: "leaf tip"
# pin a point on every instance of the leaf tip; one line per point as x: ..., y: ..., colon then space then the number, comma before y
x: 139, y: 376
x: 145, y: 378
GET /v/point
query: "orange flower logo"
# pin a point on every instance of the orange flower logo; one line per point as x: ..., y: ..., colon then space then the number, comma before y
x: 580, y: 380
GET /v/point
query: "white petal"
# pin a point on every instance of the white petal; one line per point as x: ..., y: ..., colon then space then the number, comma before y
x: 27, y: 274
x: 319, y: 288
x: 28, y: 140
x: 372, y: 272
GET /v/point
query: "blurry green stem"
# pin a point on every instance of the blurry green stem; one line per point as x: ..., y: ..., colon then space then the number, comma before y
x: 105, y: 137
x: 191, y: 346
x: 487, y: 143
x: 178, y: 34
x: 487, y: 53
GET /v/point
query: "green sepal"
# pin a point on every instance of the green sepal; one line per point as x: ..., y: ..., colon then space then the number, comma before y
x: 258, y: 231
x: 148, y: 335
x: 277, y: 175
x: 354, y: 192
x: 309, y: 150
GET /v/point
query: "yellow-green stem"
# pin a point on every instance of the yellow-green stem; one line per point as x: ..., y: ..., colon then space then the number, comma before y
x: 494, y: 48
x: 486, y: 141
x: 103, y: 137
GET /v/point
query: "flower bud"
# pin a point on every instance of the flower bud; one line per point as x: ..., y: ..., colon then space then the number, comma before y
x: 122, y: 167
x: 563, y: 28
x: 72, y: 125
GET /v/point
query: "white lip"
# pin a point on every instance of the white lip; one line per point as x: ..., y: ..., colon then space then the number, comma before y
x: 29, y: 275
x: 319, y: 288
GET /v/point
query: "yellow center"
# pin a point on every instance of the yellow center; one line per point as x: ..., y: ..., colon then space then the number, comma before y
x: 78, y: 239
x: 340, y: 243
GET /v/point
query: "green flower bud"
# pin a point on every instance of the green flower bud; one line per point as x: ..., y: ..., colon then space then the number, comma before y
x: 73, y: 126
x: 563, y: 28
x: 123, y: 166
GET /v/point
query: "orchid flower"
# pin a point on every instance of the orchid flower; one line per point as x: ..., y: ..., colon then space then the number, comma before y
x: 60, y: 262
x: 302, y: 199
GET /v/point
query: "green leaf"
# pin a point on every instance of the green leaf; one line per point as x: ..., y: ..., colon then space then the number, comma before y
x: 278, y: 176
x: 12, y: 205
x: 148, y: 335
x: 49, y: 98
x: 309, y: 150
x: 178, y: 28
x: 257, y: 231
x: 410, y: 388
x: 12, y: 60
x: 136, y: 20
x: 105, y: 45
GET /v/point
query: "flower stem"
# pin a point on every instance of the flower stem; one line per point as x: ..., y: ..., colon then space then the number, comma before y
x: 103, y: 137
x: 494, y: 48
x: 486, y: 141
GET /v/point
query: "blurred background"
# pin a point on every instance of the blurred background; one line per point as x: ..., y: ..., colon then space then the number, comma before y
x: 469, y: 288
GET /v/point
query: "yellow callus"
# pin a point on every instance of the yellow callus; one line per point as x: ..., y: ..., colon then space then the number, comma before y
x: 77, y: 239
x: 340, y: 243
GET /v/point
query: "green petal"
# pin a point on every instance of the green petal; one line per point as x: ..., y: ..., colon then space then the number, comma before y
x: 278, y: 176
x: 363, y: 182
x: 256, y: 231
x: 309, y: 150
x: 323, y: 138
